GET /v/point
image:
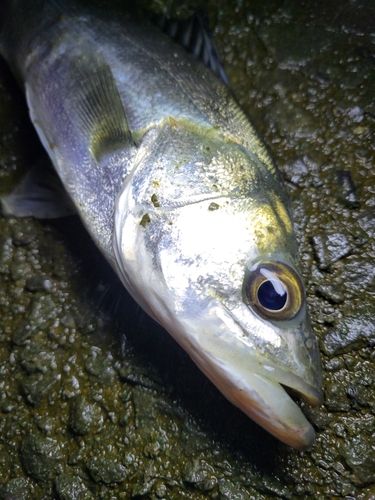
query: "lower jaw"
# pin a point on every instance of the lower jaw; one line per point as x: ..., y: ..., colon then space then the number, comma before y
x: 264, y: 401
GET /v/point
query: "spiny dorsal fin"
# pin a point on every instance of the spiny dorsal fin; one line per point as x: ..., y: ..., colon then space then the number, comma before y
x: 195, y: 36
x: 96, y: 100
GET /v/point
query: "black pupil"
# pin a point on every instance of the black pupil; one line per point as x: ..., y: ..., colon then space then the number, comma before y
x: 271, y: 299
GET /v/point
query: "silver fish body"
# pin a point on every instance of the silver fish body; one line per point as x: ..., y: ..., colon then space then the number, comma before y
x: 179, y: 193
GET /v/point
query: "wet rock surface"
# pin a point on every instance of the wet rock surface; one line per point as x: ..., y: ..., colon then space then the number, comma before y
x: 97, y: 401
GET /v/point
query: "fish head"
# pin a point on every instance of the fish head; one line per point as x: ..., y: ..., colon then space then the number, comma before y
x: 219, y: 271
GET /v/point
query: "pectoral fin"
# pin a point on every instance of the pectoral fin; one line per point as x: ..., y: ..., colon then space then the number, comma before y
x: 95, y: 100
x: 40, y: 194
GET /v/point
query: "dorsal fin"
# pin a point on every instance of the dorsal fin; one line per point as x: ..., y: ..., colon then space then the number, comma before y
x: 96, y: 102
x: 195, y: 36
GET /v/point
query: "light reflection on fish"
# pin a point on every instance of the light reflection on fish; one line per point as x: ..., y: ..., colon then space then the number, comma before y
x: 180, y: 195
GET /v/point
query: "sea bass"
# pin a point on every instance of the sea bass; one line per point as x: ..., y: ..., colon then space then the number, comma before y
x: 180, y: 195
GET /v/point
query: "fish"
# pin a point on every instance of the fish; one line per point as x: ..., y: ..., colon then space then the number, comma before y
x: 179, y: 193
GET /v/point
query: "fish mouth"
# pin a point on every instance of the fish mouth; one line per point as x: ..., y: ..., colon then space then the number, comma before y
x: 262, y: 387
x: 266, y: 400
x: 269, y: 404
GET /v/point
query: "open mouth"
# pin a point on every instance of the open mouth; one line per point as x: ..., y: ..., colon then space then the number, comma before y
x: 262, y: 388
x: 313, y: 398
x: 267, y: 402
x: 294, y: 385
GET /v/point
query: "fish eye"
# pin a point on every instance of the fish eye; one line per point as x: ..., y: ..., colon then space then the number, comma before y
x: 274, y: 291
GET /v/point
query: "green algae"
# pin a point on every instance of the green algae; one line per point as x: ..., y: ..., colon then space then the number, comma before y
x: 103, y: 404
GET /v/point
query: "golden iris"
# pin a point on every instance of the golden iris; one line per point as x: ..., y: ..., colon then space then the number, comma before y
x: 274, y: 290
